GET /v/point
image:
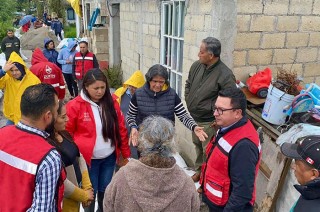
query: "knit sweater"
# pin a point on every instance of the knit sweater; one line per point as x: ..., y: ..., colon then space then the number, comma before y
x: 138, y: 187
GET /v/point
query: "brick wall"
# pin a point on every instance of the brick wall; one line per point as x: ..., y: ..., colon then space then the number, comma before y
x: 278, y: 33
x: 140, y: 36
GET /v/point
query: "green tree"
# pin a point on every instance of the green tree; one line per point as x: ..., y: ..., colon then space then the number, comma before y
x: 58, y: 6
x: 6, y: 16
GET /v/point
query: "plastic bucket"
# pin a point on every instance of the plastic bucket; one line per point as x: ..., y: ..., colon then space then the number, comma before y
x: 273, y: 110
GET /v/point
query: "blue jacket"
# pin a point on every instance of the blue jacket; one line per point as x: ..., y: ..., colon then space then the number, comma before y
x: 66, y: 54
x: 50, y: 54
x: 57, y: 26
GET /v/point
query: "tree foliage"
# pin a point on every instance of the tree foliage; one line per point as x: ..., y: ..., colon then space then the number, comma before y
x: 57, y: 6
x: 7, y: 8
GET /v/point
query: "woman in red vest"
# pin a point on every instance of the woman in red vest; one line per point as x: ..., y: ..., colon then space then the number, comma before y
x: 97, y: 126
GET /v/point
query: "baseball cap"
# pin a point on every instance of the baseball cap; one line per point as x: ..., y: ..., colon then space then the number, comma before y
x: 307, y: 150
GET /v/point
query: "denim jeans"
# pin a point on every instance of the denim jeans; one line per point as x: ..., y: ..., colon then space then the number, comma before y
x: 101, y: 172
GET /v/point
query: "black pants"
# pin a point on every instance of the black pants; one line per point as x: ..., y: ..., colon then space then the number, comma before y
x: 72, y: 85
x: 58, y: 33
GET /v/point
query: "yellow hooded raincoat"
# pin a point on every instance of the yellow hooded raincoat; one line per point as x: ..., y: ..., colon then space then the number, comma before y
x: 13, y: 90
x: 136, y: 80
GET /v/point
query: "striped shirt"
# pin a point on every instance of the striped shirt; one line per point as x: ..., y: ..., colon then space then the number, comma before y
x: 179, y: 111
x: 46, y: 178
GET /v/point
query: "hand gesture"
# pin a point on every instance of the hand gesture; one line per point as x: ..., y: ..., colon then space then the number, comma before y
x: 8, y: 66
x: 200, y: 133
x: 134, y: 137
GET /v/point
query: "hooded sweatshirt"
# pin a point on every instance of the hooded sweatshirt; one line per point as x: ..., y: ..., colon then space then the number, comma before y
x: 66, y: 54
x: 136, y: 80
x: 50, y: 54
x: 14, y: 89
x: 138, y: 187
x: 48, y: 72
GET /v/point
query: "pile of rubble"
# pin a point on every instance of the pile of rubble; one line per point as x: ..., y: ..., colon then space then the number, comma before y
x: 34, y: 38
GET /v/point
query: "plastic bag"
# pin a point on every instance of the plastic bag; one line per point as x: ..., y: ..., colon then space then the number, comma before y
x: 296, y: 132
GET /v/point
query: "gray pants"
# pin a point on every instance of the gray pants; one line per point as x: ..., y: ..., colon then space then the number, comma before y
x: 201, y: 146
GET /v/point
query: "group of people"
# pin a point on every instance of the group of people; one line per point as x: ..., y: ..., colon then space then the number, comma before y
x: 73, y: 148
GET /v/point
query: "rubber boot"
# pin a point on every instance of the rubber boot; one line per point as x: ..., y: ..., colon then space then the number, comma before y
x: 100, y: 201
x: 91, y: 206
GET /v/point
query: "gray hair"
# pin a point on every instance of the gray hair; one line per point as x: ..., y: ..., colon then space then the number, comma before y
x: 156, y: 137
x: 213, y: 46
x: 157, y: 70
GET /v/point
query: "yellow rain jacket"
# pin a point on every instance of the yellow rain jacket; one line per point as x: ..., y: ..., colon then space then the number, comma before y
x: 13, y: 89
x: 136, y: 80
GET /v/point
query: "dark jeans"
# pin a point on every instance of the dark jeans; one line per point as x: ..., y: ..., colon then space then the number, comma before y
x: 58, y: 33
x: 71, y: 84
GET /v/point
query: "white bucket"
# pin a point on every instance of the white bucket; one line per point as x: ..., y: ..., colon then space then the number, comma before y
x: 273, y: 110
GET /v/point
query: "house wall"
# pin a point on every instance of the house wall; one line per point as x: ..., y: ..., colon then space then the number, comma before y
x: 278, y: 33
x: 140, y: 35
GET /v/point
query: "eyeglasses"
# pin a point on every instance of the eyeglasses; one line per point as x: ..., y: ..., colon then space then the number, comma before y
x: 220, y: 110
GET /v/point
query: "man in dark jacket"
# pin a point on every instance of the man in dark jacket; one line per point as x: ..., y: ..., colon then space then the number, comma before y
x: 10, y: 44
x: 207, y: 77
x: 228, y: 177
x: 306, y: 155
x: 57, y: 27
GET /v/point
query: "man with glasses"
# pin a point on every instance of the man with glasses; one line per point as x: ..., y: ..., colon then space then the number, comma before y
x: 207, y: 77
x: 229, y: 175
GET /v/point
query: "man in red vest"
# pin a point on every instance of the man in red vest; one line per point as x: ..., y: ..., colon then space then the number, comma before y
x: 29, y: 166
x: 83, y: 62
x: 233, y: 156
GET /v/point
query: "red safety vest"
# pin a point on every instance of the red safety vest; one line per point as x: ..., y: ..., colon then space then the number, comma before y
x: 215, y: 178
x: 20, y: 154
x: 83, y: 64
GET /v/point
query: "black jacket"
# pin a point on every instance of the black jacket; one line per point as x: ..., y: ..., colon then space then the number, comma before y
x: 10, y: 45
x: 202, y: 87
x: 310, y: 197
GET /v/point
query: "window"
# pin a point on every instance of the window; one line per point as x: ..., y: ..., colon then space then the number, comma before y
x: 70, y: 14
x: 172, y: 28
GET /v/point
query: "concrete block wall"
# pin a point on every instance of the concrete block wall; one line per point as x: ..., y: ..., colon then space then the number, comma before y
x: 100, y: 43
x: 140, y: 36
x: 284, y: 34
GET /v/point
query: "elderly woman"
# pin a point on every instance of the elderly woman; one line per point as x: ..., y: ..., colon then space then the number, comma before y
x: 157, y: 98
x: 154, y: 182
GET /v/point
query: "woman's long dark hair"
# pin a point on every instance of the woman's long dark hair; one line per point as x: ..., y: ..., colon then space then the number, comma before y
x: 110, y: 124
x: 65, y: 134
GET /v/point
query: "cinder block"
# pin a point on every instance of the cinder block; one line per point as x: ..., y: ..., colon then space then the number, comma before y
x: 288, y: 23
x: 307, y: 55
x: 262, y: 23
x: 155, y: 42
x: 197, y: 22
x: 316, y: 7
x: 189, y: 37
x: 145, y: 28
x: 276, y: 40
x: 307, y: 80
x: 239, y: 58
x: 152, y: 29
x: 249, y: 7
x: 311, y: 69
x: 300, y: 7
x: 310, y: 23
x: 314, y: 39
x: 243, y: 23
x: 242, y: 73
x: 260, y: 57
x: 207, y: 21
x: 102, y: 57
x: 276, y: 7
x: 204, y: 6
x: 284, y: 56
x: 247, y: 40
x: 297, y: 39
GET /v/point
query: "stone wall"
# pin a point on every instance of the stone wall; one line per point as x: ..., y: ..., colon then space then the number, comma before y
x: 278, y: 33
x: 140, y: 35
